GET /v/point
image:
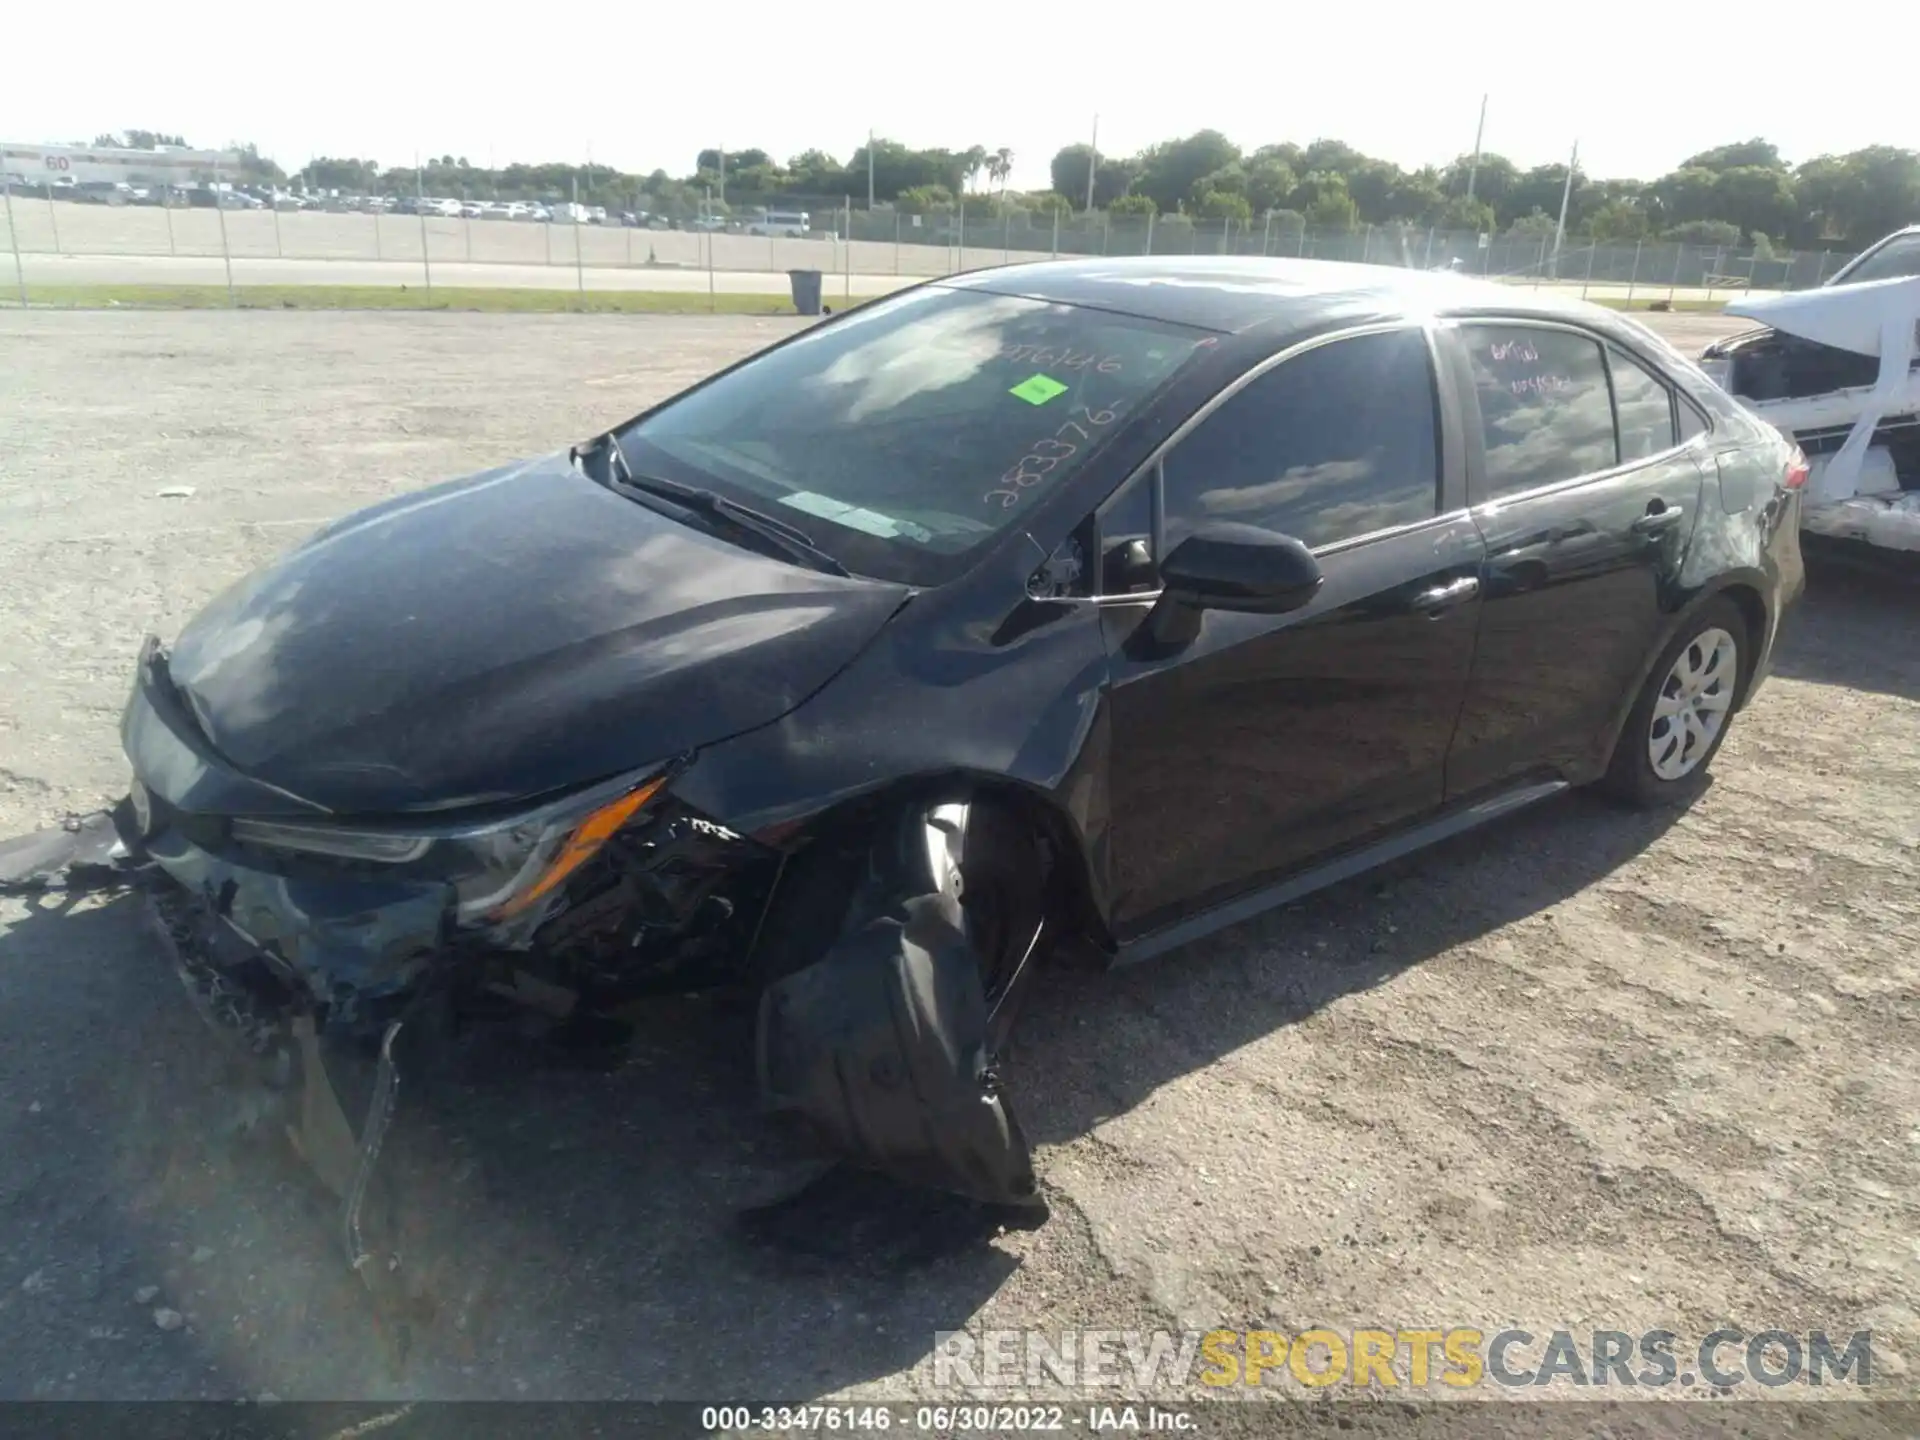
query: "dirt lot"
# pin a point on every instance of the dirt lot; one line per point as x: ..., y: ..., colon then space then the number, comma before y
x: 1586, y: 1070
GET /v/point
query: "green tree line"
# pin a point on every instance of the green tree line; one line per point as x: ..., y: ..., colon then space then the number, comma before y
x: 1729, y: 194
x: 1740, y: 193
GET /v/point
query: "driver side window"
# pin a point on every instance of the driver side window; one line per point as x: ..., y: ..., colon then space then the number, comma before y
x: 1341, y: 441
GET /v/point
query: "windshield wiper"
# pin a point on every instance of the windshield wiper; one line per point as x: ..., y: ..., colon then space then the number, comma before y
x: 789, y: 540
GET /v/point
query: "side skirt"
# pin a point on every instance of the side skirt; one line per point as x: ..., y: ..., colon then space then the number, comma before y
x: 1332, y: 872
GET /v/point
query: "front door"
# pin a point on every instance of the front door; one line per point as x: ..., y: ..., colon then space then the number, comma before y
x: 1586, y: 498
x: 1268, y: 740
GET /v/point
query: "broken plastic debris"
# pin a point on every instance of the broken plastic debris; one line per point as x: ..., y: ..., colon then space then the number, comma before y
x: 84, y: 854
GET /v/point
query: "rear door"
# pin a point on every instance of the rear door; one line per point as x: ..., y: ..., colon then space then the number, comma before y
x: 1270, y: 739
x: 1586, y: 496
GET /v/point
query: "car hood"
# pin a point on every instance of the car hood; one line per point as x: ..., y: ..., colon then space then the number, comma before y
x: 503, y: 636
x: 1847, y: 317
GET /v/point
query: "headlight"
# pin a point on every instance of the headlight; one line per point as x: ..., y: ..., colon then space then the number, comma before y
x: 346, y: 844
x: 498, y: 870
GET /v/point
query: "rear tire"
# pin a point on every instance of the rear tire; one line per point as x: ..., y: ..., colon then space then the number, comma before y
x: 1683, y: 712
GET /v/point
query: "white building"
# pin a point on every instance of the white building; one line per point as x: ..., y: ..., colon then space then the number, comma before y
x: 33, y: 166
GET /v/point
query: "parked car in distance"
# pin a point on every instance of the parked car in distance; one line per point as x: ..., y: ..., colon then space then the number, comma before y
x: 103, y: 192
x: 861, y: 678
x: 473, y: 210
x: 792, y: 223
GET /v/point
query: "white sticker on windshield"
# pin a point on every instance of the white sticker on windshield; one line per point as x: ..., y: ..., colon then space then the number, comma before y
x: 872, y: 522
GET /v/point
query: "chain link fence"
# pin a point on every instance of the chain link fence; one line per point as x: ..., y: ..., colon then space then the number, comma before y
x: 58, y: 242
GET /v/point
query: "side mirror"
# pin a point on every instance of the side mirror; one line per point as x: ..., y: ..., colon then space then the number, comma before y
x: 1128, y: 566
x: 1226, y: 567
x: 1243, y: 568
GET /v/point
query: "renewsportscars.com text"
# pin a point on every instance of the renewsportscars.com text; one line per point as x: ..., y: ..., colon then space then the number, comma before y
x: 1455, y: 1357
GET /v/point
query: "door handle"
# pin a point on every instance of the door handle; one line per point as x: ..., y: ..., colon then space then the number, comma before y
x: 1442, y: 598
x: 1654, y: 521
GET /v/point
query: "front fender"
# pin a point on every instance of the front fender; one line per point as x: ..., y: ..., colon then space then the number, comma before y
x: 952, y: 689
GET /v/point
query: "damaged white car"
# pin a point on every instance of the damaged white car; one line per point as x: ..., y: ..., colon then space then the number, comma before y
x: 1837, y: 370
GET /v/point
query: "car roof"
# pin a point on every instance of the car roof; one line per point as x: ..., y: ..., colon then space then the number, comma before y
x: 1231, y: 294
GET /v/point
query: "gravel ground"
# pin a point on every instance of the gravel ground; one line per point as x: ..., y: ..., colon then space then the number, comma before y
x: 1587, y: 1069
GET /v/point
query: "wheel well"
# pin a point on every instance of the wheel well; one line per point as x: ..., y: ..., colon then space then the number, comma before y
x: 1070, y: 878
x: 846, y: 831
x: 1753, y: 611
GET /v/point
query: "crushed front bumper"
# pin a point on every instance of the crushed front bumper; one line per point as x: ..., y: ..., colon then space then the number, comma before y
x: 356, y: 945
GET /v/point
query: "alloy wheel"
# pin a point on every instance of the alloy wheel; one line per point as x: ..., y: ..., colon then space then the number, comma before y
x: 1695, y: 700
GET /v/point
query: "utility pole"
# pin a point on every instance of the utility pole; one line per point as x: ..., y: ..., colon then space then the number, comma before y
x: 420, y: 207
x: 1093, y: 161
x: 1473, y: 170
x: 723, y: 177
x: 1566, y: 194
x: 869, y: 169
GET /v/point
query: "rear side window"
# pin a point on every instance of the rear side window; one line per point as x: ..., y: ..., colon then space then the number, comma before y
x: 1692, y: 422
x: 1645, y: 406
x: 1340, y: 441
x: 1545, y: 411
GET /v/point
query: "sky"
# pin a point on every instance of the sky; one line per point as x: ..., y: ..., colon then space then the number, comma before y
x: 1639, y: 85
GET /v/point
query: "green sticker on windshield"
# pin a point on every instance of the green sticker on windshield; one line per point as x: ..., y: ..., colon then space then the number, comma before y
x: 1038, y: 389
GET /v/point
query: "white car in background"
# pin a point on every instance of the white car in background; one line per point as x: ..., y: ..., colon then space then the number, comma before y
x: 793, y: 224
x: 1838, y: 369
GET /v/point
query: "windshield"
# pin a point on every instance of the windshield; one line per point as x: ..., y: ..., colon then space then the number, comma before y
x: 1895, y: 260
x: 906, y: 435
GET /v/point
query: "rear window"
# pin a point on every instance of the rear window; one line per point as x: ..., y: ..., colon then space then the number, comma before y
x: 907, y: 435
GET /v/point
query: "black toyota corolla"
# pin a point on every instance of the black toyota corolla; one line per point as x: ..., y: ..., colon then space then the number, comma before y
x: 1099, y: 603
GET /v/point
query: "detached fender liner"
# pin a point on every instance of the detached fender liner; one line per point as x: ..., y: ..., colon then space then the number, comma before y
x: 881, y: 1046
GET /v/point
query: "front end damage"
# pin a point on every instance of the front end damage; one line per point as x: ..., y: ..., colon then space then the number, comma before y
x: 339, y: 953
x: 1838, y: 371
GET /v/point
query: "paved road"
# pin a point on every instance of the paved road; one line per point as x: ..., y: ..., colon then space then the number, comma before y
x: 43, y: 269
x: 87, y: 244
x: 211, y: 270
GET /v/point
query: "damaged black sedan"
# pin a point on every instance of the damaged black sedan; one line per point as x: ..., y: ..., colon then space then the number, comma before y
x: 1093, y: 603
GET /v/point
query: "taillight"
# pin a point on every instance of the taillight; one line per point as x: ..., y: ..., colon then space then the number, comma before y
x: 1797, y: 470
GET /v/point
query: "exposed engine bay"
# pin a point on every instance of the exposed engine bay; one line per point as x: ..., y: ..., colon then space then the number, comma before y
x: 1839, y: 372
